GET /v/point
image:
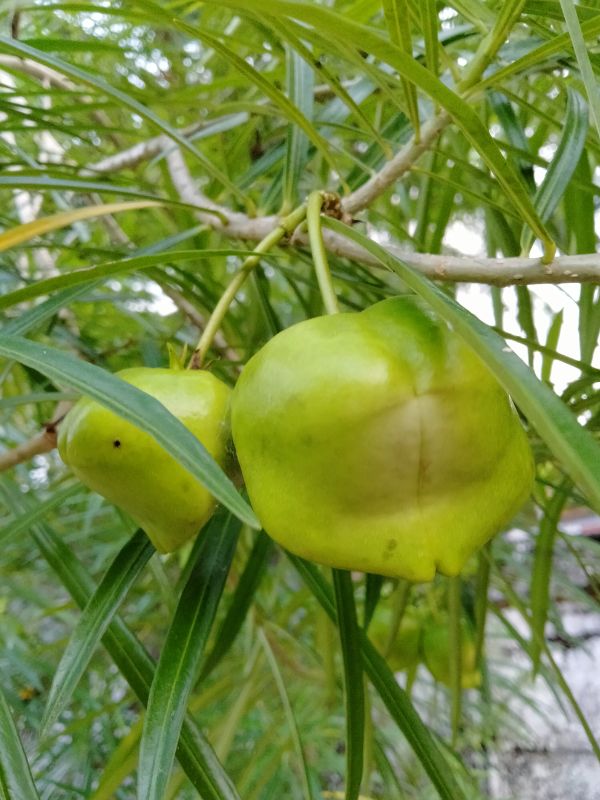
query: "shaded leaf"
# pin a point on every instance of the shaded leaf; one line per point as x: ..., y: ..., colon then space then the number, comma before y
x: 16, y: 782
x: 181, y: 653
x: 96, y: 617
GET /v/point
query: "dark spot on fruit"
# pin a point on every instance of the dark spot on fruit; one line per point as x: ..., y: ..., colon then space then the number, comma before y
x: 392, y: 544
x: 117, y: 443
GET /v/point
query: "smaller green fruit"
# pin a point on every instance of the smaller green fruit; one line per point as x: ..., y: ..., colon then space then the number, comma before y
x: 130, y: 469
x: 405, y: 651
x: 436, y: 653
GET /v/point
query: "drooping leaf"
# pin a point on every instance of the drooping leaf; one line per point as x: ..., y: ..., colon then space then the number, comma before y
x: 16, y: 780
x: 96, y: 617
x: 194, y: 752
x: 178, y: 664
x: 353, y: 680
x: 393, y: 696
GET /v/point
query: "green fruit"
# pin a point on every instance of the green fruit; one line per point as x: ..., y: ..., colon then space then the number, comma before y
x: 436, y: 653
x: 404, y: 652
x: 129, y: 468
x: 379, y: 441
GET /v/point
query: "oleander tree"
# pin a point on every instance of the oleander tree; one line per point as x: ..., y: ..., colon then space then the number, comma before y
x: 183, y: 180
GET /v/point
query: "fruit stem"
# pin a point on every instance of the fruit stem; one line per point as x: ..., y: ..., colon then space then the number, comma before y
x: 285, y: 228
x: 317, y: 246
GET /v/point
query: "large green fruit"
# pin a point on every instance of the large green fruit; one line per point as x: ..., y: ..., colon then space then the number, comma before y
x: 129, y: 468
x: 379, y: 441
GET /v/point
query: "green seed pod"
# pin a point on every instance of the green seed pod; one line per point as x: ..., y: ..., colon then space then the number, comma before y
x: 436, y: 653
x: 129, y: 468
x: 379, y: 441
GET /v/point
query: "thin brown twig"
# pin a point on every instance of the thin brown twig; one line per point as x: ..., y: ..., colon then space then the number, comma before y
x: 41, y: 443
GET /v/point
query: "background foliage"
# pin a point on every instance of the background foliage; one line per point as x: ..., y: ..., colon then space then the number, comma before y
x: 447, y: 129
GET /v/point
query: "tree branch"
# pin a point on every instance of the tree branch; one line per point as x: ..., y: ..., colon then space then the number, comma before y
x: 50, y: 77
x: 397, y: 166
x: 475, y: 269
x: 130, y: 158
x: 42, y: 442
x: 37, y: 71
x: 494, y: 271
x: 143, y: 151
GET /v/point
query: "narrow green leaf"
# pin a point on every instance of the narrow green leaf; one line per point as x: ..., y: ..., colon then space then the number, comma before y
x: 564, y: 163
x: 551, y: 342
x: 573, y: 445
x: 394, y: 697
x: 29, y: 320
x: 107, y: 270
x: 289, y: 714
x: 372, y: 75
x: 287, y: 108
x: 373, y: 587
x: 194, y: 753
x: 346, y: 100
x: 136, y: 407
x: 300, y: 90
x: 37, y: 511
x: 121, y: 763
x: 25, y: 51
x: 396, y: 130
x: 96, y: 617
x: 43, y: 181
x: 424, y: 204
x: 178, y: 664
x: 542, y: 569
x: 579, y: 207
x: 397, y: 17
x: 16, y: 782
x: 507, y: 17
x: 353, y: 680
x: 589, y: 310
x: 241, y: 601
x: 476, y: 12
x: 583, y: 59
x: 526, y: 320
x: 441, y: 219
x: 522, y: 642
x: 34, y: 398
x: 558, y: 44
x: 514, y: 133
x: 552, y: 9
x: 429, y: 24
x: 587, y: 369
